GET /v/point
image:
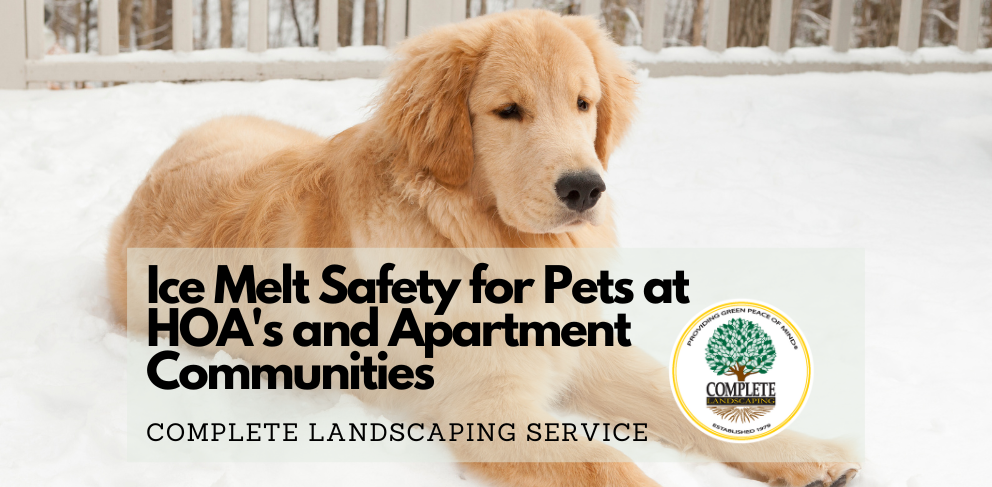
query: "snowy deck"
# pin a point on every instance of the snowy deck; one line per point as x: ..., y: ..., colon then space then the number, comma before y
x: 898, y: 165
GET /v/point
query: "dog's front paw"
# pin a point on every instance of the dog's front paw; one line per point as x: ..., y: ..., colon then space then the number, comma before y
x: 801, y: 474
x: 829, y: 474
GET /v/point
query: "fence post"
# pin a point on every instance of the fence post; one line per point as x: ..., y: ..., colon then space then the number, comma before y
x: 780, y: 26
x: 909, y: 25
x: 653, y: 34
x: 716, y: 31
x: 34, y: 26
x: 182, y: 25
x: 591, y: 7
x: 258, y: 25
x: 327, y: 36
x: 395, y: 20
x: 522, y: 4
x: 106, y: 25
x: 12, y: 46
x: 841, y: 12
x: 969, y: 24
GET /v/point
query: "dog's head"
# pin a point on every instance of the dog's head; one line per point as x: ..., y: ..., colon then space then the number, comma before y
x: 522, y: 109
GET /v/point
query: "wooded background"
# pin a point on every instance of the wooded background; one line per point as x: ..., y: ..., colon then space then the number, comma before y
x: 147, y: 24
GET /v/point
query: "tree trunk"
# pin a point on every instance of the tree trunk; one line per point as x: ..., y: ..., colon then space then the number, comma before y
x: 124, y: 24
x: 796, y: 5
x: 698, y: 14
x: 888, y: 23
x: 79, y: 26
x: 86, y: 26
x: 296, y: 22
x: 879, y: 23
x: 371, y: 36
x: 748, y: 25
x: 615, y: 17
x: 145, y: 38
x: 57, y: 23
x: 316, y: 22
x: 945, y: 34
x: 738, y: 370
x: 226, y: 22
x: 204, y: 23
x: 345, y: 14
x: 163, y: 24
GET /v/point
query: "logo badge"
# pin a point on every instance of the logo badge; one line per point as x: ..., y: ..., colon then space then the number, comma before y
x: 741, y: 371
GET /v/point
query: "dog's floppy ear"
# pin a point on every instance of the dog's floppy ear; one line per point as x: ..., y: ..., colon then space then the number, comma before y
x: 616, y: 109
x: 425, y: 102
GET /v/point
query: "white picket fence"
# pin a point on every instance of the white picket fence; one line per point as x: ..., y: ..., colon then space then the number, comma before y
x: 23, y: 63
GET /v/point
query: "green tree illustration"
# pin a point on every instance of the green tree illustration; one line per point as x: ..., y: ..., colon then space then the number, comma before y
x: 740, y: 348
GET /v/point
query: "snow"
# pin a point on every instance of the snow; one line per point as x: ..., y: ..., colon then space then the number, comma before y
x: 799, y: 55
x: 738, y: 55
x: 898, y: 165
x: 283, y: 54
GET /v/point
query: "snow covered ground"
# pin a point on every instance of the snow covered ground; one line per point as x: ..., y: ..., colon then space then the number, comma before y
x: 898, y: 165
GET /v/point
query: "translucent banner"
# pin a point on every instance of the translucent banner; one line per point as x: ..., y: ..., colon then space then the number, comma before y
x: 496, y: 355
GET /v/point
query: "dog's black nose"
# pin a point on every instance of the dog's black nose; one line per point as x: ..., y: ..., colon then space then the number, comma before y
x: 580, y: 190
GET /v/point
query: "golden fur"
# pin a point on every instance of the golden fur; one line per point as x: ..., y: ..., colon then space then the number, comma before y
x: 434, y: 166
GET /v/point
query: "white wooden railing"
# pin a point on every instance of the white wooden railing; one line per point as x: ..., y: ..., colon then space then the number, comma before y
x: 23, y: 63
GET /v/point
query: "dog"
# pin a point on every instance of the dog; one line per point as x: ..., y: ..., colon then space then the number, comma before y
x: 492, y: 133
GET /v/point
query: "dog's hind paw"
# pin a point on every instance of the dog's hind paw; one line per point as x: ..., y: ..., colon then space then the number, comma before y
x: 815, y: 474
x: 801, y: 474
x: 837, y: 480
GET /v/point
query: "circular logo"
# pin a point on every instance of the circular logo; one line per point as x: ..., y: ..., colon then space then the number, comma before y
x: 741, y: 371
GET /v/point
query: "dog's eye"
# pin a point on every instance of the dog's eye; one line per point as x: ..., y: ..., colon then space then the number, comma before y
x: 583, y: 105
x: 511, y: 111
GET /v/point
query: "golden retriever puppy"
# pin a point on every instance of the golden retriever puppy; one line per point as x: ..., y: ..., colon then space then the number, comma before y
x: 492, y: 133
